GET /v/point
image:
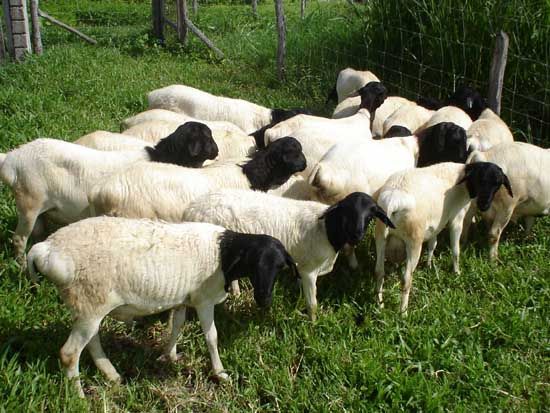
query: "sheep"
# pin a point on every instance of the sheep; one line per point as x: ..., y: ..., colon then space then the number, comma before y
x: 311, y: 232
x: 421, y: 202
x: 364, y: 166
x: 202, y: 105
x: 230, y: 144
x: 110, y: 141
x: 488, y: 129
x: 371, y: 95
x: 405, y: 120
x: 526, y: 166
x: 127, y: 268
x: 164, y: 191
x: 179, y: 118
x: 350, y: 80
x: 54, y: 177
x: 449, y: 114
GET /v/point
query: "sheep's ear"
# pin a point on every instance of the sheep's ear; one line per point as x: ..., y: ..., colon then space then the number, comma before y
x: 381, y: 215
x: 506, y: 183
x: 467, y: 174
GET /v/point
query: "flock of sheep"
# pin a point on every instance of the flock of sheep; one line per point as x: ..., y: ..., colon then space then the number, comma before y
x: 201, y: 190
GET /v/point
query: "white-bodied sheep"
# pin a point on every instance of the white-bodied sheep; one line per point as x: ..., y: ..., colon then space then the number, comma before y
x: 349, y: 81
x: 405, y: 120
x: 54, y: 177
x: 164, y: 191
x: 311, y: 232
x: 110, y: 141
x: 202, y: 105
x: 127, y: 268
x: 449, y: 114
x: 527, y: 168
x: 421, y: 202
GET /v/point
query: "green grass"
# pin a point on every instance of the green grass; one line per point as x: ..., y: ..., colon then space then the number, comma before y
x: 475, y: 341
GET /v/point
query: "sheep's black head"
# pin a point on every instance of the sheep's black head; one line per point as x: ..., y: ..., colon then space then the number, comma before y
x: 396, y: 131
x: 429, y: 103
x: 271, y: 167
x: 347, y: 221
x: 469, y: 100
x: 372, y: 95
x: 444, y: 142
x: 259, y: 257
x: 483, y: 180
x: 279, y: 115
x: 189, y: 145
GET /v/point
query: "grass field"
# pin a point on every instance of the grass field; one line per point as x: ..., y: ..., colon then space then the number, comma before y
x: 475, y: 341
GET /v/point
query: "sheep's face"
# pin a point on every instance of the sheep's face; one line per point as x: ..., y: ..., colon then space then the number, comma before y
x: 190, y: 145
x: 279, y: 115
x: 372, y: 95
x: 483, y: 180
x: 259, y: 257
x: 271, y: 167
x: 444, y: 142
x: 396, y: 131
x: 469, y: 100
x: 347, y: 221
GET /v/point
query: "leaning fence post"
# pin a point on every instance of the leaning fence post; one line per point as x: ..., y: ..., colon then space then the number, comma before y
x: 35, y: 22
x: 281, y: 44
x: 496, y: 77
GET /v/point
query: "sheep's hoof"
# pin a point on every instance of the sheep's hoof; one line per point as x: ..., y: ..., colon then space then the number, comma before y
x: 168, y: 358
x: 221, y: 377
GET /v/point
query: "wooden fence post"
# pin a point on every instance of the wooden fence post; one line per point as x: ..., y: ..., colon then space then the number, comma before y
x: 17, y: 27
x: 181, y: 19
x: 255, y: 8
x: 158, y: 19
x: 195, y: 7
x: 2, y: 44
x: 281, y: 44
x: 498, y: 66
x: 35, y: 22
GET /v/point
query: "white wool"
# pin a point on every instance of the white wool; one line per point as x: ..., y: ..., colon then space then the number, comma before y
x: 127, y: 268
x: 411, y: 116
x: 202, y: 105
x: 295, y: 223
x: 231, y: 144
x: 449, y: 114
x: 487, y: 131
x: 359, y: 166
x: 420, y: 202
x: 295, y: 188
x: 527, y: 169
x: 350, y: 80
x: 110, y: 141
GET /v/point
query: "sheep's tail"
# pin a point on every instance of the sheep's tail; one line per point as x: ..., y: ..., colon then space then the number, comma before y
x: 394, y: 202
x: 42, y: 259
x: 7, y: 174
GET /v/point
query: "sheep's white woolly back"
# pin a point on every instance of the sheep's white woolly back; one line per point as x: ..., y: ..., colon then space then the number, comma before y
x: 154, y: 114
x: 411, y: 116
x: 450, y: 114
x: 487, y: 131
x: 350, y: 80
x: 390, y: 105
x: 295, y: 223
x: 109, y: 141
x: 202, y: 105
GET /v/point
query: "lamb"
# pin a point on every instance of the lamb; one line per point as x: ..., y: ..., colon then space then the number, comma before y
x: 164, y: 191
x: 126, y: 268
x: 230, y: 144
x: 422, y: 202
x: 371, y: 97
x: 405, y: 120
x: 349, y: 81
x: 54, y: 177
x: 488, y: 129
x: 202, y: 105
x: 527, y: 168
x: 311, y: 232
x: 364, y: 166
x: 179, y: 118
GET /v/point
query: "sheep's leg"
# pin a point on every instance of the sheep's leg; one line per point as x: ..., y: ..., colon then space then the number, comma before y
x: 455, y: 231
x: 206, y: 317
x: 529, y: 222
x: 235, y: 290
x: 25, y: 223
x: 309, y: 285
x: 39, y: 231
x: 349, y: 252
x: 178, y: 319
x: 381, y: 233
x: 502, y: 217
x: 414, y: 248
x: 81, y: 334
x: 432, y: 243
x: 100, y: 359
x: 467, y: 223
